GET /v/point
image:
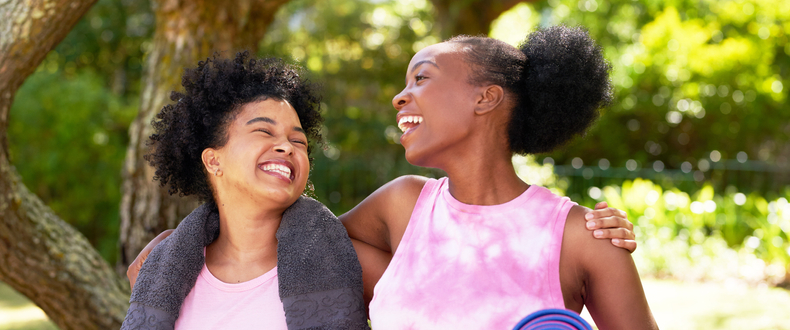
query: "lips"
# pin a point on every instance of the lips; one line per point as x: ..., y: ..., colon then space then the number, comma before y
x: 279, y: 168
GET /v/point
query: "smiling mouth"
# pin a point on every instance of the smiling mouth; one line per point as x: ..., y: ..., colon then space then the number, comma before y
x: 279, y: 169
x: 408, y: 122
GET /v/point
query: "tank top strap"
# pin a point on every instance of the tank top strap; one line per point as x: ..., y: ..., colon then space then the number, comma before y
x: 430, y: 192
x: 428, y: 195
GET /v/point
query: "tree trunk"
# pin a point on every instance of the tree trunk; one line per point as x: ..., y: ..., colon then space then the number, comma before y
x: 41, y: 256
x: 187, y: 31
x: 472, y: 17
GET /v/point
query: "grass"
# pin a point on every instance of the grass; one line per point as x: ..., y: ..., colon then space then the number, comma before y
x: 726, y: 306
x: 18, y: 313
x: 675, y: 305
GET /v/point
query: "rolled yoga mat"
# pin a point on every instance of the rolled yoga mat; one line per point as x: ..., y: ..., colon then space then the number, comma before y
x: 553, y: 318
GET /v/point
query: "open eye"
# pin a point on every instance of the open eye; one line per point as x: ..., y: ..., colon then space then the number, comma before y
x: 419, y: 77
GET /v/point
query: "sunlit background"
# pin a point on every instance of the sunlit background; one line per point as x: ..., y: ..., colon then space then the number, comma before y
x: 694, y: 147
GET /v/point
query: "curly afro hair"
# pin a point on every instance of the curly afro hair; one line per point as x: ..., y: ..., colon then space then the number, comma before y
x: 214, y: 94
x: 558, y: 79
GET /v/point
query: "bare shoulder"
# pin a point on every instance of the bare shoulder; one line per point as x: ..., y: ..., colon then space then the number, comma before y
x: 603, y: 276
x: 586, y: 252
x: 406, y: 186
x: 576, y: 231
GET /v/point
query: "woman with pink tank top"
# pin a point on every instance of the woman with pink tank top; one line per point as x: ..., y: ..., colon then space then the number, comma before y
x: 480, y: 248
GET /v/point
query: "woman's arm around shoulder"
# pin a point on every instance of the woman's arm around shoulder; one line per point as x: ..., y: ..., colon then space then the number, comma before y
x: 602, y: 277
x: 377, y: 224
x: 137, y: 264
x: 381, y: 219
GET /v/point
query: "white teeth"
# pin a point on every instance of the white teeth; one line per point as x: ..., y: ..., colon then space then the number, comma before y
x: 282, y: 169
x: 408, y: 119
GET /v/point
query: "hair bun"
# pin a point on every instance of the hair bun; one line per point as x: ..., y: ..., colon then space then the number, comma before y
x: 566, y: 81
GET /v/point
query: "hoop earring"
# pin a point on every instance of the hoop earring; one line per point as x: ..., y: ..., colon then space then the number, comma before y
x: 216, y: 172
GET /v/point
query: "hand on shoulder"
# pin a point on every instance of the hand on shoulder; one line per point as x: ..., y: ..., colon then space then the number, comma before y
x: 605, y: 277
x: 611, y: 223
x: 137, y: 264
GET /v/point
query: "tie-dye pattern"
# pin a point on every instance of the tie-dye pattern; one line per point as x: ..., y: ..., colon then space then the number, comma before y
x: 462, y: 266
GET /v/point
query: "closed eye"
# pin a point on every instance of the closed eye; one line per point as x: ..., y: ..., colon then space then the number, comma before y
x: 264, y: 131
x: 300, y: 142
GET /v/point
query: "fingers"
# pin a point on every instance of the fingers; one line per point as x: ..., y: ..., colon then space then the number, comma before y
x: 605, y: 212
x: 616, y: 233
x: 609, y: 222
x: 132, y: 271
x: 629, y: 245
x: 136, y: 265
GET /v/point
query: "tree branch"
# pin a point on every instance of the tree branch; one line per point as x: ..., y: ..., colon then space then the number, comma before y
x: 41, y: 256
x: 472, y: 17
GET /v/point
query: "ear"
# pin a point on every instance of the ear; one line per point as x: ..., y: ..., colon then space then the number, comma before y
x: 488, y: 98
x: 210, y: 158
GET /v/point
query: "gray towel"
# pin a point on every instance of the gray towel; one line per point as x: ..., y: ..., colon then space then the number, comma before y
x: 170, y: 271
x: 318, y: 271
x: 320, y: 276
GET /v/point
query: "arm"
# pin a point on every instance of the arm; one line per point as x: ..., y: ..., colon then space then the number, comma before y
x: 134, y: 267
x: 377, y: 224
x: 609, y: 222
x: 381, y: 219
x: 374, y: 262
x: 602, y: 277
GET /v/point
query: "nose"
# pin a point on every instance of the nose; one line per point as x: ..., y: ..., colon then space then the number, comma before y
x: 400, y: 100
x: 284, y: 147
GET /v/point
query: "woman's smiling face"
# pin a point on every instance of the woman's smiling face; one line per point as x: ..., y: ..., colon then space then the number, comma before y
x: 265, y: 157
x: 436, y: 108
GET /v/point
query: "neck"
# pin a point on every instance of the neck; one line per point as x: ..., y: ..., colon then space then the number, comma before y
x: 480, y: 168
x: 247, y: 235
x: 485, y: 182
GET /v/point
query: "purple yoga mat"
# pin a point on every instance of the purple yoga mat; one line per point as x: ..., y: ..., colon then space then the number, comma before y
x: 560, y: 319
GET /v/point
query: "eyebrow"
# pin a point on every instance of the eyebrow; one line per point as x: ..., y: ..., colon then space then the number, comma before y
x: 271, y: 121
x: 414, y: 67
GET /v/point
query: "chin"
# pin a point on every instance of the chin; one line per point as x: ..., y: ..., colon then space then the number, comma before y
x: 282, y: 198
x: 418, y: 159
x: 411, y: 158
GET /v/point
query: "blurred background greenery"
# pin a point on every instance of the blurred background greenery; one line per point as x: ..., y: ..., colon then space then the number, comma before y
x: 694, y: 147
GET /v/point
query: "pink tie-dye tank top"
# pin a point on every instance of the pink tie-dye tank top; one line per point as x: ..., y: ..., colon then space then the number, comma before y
x: 461, y: 266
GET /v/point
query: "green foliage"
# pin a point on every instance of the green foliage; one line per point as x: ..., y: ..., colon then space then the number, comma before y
x: 111, y: 40
x: 68, y: 138
x: 691, y: 77
x: 705, y: 235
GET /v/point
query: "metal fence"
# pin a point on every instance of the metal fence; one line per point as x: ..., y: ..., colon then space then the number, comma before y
x: 743, y: 176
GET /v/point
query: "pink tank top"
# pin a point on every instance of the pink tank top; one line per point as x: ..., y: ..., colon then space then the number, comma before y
x: 461, y: 266
x: 213, y: 304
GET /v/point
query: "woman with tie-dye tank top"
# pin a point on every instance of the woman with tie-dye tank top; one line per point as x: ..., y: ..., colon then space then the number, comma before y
x: 480, y: 248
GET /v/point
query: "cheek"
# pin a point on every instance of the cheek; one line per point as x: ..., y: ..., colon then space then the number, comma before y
x: 304, y: 165
x: 454, y: 114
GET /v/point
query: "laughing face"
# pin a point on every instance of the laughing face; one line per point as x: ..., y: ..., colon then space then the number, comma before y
x: 265, y: 158
x: 436, y: 108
